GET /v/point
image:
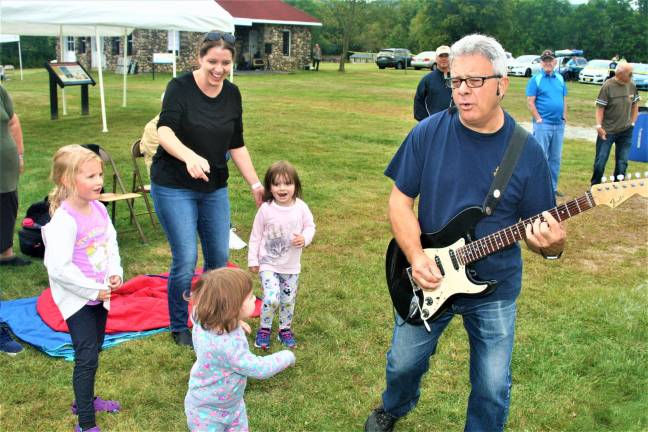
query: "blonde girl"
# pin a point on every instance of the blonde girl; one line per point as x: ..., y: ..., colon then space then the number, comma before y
x: 83, y: 266
x: 221, y: 300
x: 283, y: 226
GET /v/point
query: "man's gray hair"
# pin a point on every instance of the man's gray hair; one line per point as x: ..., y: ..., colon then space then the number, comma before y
x: 486, y: 46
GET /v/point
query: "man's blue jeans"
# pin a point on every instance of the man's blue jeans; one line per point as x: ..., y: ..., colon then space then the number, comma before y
x: 550, y: 137
x: 183, y: 213
x: 490, y: 327
x: 622, y: 141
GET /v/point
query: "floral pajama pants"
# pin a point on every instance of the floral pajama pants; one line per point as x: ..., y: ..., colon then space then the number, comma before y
x: 279, y: 291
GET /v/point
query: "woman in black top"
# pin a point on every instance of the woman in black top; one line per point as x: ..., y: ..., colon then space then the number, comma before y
x: 201, y: 120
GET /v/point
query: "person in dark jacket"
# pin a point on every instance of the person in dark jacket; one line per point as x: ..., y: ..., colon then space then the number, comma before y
x: 433, y: 94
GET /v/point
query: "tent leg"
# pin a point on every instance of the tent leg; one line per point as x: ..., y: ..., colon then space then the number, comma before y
x: 101, y: 83
x: 125, y: 66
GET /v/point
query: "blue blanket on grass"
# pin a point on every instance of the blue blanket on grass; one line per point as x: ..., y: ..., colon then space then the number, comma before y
x: 27, y: 325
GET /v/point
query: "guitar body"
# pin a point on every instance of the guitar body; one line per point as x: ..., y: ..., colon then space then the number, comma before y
x: 458, y: 280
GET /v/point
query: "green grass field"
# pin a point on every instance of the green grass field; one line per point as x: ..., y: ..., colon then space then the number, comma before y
x: 581, y: 344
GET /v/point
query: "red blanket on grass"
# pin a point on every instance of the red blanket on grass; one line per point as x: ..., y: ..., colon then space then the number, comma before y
x: 138, y: 305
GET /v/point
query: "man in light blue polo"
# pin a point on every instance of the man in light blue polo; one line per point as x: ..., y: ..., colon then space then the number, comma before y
x: 546, y: 96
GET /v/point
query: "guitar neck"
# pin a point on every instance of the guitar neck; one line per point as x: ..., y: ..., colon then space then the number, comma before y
x: 504, y: 238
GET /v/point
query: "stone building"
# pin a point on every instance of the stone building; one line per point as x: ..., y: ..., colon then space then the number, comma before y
x: 270, y: 34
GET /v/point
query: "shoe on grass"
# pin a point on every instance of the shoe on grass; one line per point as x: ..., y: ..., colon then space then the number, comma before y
x: 182, y: 338
x: 287, y: 338
x: 101, y: 405
x: 7, y: 344
x: 15, y: 261
x: 77, y: 428
x: 380, y: 421
x: 262, y: 339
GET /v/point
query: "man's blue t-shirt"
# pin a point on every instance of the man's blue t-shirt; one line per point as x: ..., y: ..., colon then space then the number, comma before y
x: 450, y: 167
x: 550, y: 92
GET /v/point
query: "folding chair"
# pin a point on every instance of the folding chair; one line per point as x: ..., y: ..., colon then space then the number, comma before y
x: 138, y: 181
x: 114, y: 196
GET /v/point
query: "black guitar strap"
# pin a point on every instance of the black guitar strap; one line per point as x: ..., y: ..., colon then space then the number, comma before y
x: 505, y: 170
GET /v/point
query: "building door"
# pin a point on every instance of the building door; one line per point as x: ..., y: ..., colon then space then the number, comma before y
x: 95, y: 55
x: 70, y: 49
x: 254, y: 43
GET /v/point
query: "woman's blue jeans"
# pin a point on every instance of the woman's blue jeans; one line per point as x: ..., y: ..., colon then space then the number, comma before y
x: 490, y: 327
x: 183, y: 213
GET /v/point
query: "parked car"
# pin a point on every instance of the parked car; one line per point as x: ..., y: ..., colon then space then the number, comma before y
x: 563, y: 65
x: 525, y: 65
x: 595, y: 72
x: 398, y: 58
x: 510, y: 60
x: 425, y: 59
x: 640, y: 75
x: 572, y: 67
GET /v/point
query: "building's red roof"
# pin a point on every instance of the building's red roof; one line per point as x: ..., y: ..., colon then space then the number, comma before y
x: 265, y: 10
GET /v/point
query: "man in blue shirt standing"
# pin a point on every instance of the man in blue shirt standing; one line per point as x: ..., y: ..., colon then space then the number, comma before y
x: 428, y: 165
x: 546, y: 96
x: 433, y: 94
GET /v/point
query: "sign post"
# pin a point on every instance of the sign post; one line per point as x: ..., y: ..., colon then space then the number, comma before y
x: 162, y: 58
x: 68, y: 74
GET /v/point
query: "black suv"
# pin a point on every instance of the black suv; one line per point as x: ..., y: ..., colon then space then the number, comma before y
x: 398, y: 58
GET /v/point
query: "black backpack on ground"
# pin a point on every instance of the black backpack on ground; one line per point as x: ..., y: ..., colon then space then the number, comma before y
x: 29, y: 236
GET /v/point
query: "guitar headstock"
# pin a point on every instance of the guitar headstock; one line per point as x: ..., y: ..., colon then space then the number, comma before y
x: 614, y: 193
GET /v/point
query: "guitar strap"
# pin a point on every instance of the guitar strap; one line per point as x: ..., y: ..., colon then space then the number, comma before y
x: 505, y: 170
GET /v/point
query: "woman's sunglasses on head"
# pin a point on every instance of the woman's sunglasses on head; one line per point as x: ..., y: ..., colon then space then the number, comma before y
x: 216, y: 36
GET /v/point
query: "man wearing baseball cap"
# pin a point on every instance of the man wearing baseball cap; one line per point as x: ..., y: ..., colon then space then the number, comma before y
x: 546, y: 96
x: 433, y: 94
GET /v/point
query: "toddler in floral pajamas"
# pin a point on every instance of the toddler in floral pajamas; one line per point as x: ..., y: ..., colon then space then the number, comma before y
x: 221, y: 300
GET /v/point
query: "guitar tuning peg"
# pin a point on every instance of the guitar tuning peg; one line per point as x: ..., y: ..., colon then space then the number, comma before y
x: 645, y: 173
x: 620, y: 177
x: 637, y: 175
x: 603, y: 179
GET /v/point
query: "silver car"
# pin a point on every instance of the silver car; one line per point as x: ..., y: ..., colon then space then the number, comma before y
x: 425, y: 59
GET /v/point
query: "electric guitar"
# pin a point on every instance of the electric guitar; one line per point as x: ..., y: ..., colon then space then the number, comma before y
x: 453, y: 249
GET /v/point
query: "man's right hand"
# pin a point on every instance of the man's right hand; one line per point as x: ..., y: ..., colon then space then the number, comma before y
x: 425, y: 272
x: 601, y: 132
x: 104, y: 295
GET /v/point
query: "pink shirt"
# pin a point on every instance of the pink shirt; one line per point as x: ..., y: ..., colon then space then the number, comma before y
x: 272, y: 232
x: 91, y: 245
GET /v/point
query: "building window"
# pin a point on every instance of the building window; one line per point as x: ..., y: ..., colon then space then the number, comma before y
x: 173, y: 38
x: 129, y: 44
x: 82, y: 45
x: 286, y: 43
x: 115, y: 45
x: 69, y: 42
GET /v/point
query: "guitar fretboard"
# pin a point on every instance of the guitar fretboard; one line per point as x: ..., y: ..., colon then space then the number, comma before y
x: 506, y: 237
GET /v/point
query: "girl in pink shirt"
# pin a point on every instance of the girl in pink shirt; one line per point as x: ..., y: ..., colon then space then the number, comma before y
x: 283, y: 226
x: 83, y: 266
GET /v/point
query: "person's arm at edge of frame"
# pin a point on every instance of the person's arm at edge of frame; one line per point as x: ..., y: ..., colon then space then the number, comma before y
x: 407, y: 233
x: 243, y: 162
x: 16, y: 133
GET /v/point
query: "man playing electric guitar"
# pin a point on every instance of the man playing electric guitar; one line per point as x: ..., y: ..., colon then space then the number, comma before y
x: 448, y: 161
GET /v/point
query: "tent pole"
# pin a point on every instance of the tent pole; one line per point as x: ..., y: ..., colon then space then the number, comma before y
x: 101, y: 83
x: 20, y: 59
x: 62, y: 59
x: 174, y: 52
x: 125, y: 65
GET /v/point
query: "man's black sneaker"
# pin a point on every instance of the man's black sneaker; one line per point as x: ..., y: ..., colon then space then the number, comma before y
x: 380, y: 421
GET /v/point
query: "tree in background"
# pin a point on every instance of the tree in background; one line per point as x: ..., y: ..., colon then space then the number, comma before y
x: 36, y: 50
x: 601, y: 28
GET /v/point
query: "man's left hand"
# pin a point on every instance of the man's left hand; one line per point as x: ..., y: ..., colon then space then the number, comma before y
x: 548, y: 236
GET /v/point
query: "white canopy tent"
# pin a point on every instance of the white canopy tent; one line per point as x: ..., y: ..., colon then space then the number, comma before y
x: 6, y: 38
x: 110, y: 18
